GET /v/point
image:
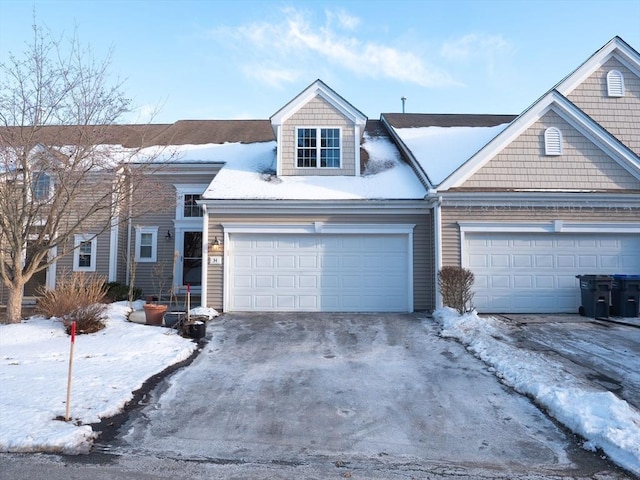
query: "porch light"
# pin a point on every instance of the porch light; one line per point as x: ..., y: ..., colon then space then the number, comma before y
x: 214, y: 247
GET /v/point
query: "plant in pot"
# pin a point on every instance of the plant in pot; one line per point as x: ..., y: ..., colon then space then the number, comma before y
x: 154, y: 312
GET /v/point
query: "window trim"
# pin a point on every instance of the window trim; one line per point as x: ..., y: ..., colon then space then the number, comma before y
x: 187, y: 189
x: 318, y: 146
x: 78, y: 239
x: 140, y: 230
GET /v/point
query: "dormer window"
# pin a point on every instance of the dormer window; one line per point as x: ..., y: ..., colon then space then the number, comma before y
x: 552, y: 141
x: 615, y: 84
x: 41, y: 186
x: 318, y: 147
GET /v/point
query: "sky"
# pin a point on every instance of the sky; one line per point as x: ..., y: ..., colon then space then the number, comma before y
x: 218, y: 59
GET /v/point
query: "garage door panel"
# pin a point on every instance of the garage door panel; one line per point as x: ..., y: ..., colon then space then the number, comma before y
x: 324, y: 272
x: 504, y: 287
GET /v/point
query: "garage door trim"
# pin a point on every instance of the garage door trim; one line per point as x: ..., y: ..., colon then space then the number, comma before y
x: 317, y: 228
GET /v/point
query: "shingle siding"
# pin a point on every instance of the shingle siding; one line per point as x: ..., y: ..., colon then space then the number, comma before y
x: 317, y: 113
x: 619, y: 115
x: 452, y: 215
x: 524, y: 165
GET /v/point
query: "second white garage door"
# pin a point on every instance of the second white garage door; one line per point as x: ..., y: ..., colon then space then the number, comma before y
x: 318, y: 272
x: 536, y: 272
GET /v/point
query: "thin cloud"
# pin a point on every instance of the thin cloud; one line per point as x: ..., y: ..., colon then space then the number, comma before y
x: 296, y: 44
x: 473, y: 46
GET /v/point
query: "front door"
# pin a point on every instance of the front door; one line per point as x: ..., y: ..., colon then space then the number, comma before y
x: 192, y: 259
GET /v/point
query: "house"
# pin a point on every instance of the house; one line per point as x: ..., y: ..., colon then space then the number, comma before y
x: 528, y: 203
x: 321, y: 209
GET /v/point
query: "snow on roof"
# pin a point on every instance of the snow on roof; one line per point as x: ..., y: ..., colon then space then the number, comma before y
x: 250, y: 173
x: 442, y: 150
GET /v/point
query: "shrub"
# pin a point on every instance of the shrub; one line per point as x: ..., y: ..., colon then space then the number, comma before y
x: 455, y: 286
x: 88, y: 318
x: 117, y: 292
x: 72, y: 292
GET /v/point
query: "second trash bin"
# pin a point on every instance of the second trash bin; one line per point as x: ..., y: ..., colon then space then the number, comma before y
x: 625, y: 295
x: 596, y: 295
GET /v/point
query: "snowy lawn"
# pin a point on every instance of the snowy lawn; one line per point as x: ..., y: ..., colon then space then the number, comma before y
x: 108, y: 366
x: 603, y: 419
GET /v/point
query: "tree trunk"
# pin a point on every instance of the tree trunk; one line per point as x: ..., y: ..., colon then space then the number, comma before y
x: 14, y: 304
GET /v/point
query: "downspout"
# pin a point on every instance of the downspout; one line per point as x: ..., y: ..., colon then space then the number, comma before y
x: 205, y: 255
x: 436, y: 201
x: 129, y: 231
x: 437, y: 234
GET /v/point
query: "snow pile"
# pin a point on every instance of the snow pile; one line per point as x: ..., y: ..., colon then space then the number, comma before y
x: 211, y: 313
x: 108, y: 366
x: 604, y: 420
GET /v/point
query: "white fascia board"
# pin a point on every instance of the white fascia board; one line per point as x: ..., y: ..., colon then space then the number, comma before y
x: 550, y: 227
x: 616, y: 48
x: 318, y: 88
x: 541, y: 199
x: 323, y: 228
x: 565, y: 109
x: 299, y: 207
x: 408, y: 154
x: 597, y: 135
x: 497, y: 144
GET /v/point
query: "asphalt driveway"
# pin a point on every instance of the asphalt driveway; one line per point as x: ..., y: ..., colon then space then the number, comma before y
x: 379, y: 390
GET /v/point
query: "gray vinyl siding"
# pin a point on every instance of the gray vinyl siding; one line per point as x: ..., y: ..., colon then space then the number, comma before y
x: 318, y: 113
x: 524, y: 165
x: 149, y: 275
x: 619, y: 115
x: 452, y: 215
x: 423, y: 266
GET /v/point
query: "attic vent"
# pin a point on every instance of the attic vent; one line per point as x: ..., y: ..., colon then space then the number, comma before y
x: 615, y: 84
x: 552, y: 141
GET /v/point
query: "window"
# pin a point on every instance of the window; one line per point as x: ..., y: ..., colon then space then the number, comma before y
x: 41, y: 186
x: 191, y: 208
x: 552, y: 141
x: 146, y: 244
x: 615, y: 84
x: 84, y: 255
x: 309, y: 150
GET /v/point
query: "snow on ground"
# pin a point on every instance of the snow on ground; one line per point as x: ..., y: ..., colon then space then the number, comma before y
x: 603, y: 419
x: 108, y: 366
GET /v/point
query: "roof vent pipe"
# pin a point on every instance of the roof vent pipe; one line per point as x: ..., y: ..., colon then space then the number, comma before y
x: 404, y: 99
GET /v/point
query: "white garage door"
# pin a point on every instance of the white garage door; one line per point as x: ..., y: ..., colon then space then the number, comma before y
x: 318, y: 272
x: 536, y: 273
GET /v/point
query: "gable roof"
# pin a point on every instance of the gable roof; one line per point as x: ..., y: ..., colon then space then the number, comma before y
x: 617, y: 48
x: 552, y: 101
x: 318, y: 88
x: 437, y: 144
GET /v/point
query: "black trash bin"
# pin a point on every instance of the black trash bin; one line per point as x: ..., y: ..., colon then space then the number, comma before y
x: 596, y: 295
x: 625, y: 295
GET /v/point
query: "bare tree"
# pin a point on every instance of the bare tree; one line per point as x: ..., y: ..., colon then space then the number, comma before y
x: 65, y: 163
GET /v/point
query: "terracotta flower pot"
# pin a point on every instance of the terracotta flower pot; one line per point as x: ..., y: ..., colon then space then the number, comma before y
x: 154, y: 313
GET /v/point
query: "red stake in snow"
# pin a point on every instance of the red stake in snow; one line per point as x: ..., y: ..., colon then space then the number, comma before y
x: 73, y: 341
